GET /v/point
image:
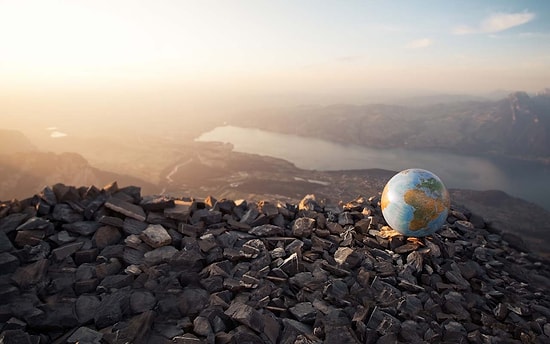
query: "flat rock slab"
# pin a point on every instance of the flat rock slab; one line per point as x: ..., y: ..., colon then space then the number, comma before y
x: 126, y: 208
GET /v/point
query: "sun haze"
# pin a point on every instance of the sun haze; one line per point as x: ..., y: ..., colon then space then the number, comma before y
x: 273, y: 46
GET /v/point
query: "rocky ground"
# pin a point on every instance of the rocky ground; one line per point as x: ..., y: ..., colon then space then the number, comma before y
x: 109, y: 265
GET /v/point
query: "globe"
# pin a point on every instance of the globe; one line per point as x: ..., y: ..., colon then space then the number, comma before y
x: 415, y: 202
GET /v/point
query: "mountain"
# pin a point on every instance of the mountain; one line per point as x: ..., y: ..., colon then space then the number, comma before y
x: 26, y: 173
x: 14, y: 141
x: 517, y: 126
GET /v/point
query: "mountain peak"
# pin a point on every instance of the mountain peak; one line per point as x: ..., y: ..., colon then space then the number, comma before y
x: 265, y: 272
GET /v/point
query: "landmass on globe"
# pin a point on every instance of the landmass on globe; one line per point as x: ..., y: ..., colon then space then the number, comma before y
x: 415, y: 202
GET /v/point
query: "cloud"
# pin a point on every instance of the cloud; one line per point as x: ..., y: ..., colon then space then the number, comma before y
x: 419, y: 43
x: 496, y: 23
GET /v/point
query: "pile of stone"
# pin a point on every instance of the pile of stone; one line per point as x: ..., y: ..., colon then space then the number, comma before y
x: 89, y: 265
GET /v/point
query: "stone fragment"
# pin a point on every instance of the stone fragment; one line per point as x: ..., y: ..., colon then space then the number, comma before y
x: 106, y: 236
x: 304, y: 312
x: 8, y: 263
x: 86, y: 256
x: 85, y: 308
x: 65, y: 251
x: 267, y: 230
x: 28, y: 275
x: 158, y: 255
x: 303, y: 227
x: 141, y: 301
x: 85, y: 335
x: 111, y: 221
x: 125, y: 208
x: 156, y: 203
x: 133, y: 226
x: 5, y: 243
x: 65, y: 213
x: 245, y: 315
x: 156, y: 236
x: 82, y: 227
x: 116, y: 281
x: 180, y: 211
x: 111, y: 309
x: 347, y: 256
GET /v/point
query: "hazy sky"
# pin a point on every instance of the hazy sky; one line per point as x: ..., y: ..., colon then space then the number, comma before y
x: 277, y: 45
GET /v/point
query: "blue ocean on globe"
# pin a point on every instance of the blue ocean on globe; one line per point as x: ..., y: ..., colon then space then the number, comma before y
x: 415, y: 202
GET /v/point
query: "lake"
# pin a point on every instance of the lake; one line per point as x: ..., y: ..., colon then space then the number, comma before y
x: 527, y: 180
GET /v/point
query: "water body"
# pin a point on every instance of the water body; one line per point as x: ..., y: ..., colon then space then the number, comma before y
x: 527, y: 180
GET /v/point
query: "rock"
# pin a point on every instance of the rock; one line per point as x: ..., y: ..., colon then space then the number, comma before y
x: 158, y: 255
x: 347, y: 256
x: 106, y: 236
x: 303, y: 227
x: 156, y: 236
x: 63, y: 212
x: 180, y: 211
x: 65, y: 251
x: 304, y: 312
x: 266, y: 230
x: 141, y: 301
x: 85, y: 335
x: 8, y: 263
x: 157, y: 203
x: 85, y: 308
x: 111, y: 309
x: 82, y: 227
x: 246, y: 315
x: 131, y: 210
x: 5, y: 243
x: 28, y: 275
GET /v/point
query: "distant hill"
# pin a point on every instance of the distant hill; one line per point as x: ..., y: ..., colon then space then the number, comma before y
x: 14, y: 141
x: 516, y: 126
x: 26, y: 173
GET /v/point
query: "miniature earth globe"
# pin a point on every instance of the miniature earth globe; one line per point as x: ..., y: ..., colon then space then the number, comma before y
x: 415, y: 202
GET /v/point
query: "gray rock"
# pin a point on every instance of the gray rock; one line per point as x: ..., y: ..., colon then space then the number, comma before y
x: 106, y: 236
x: 303, y: 227
x: 141, y: 301
x: 158, y: 255
x: 125, y: 208
x: 65, y: 251
x: 5, y: 243
x: 156, y: 236
x: 304, y: 312
x: 82, y: 227
x: 8, y: 263
x: 245, y: 315
x: 85, y: 308
x: 266, y: 230
x: 28, y: 275
x: 85, y: 335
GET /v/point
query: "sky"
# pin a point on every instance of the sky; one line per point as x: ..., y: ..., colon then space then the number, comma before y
x: 277, y: 46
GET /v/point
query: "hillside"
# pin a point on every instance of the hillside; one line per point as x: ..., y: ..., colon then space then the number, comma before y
x: 517, y: 126
x: 24, y: 173
x: 112, y: 266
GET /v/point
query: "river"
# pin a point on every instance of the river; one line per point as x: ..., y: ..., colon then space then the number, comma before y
x: 527, y: 180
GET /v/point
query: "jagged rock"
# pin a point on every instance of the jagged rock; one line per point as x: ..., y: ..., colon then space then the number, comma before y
x: 224, y: 271
x: 65, y: 251
x: 8, y: 263
x: 82, y: 227
x: 5, y: 243
x: 85, y: 335
x: 126, y: 208
x: 156, y: 236
x: 246, y: 315
x: 105, y: 236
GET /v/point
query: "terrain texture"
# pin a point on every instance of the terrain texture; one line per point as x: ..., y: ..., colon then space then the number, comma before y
x: 90, y: 265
